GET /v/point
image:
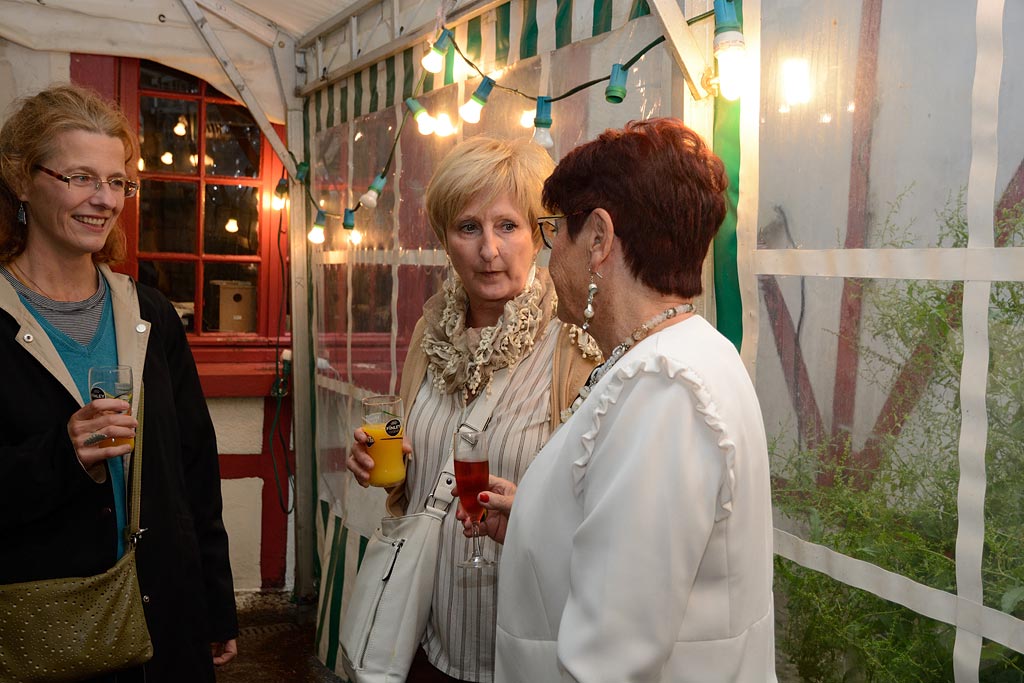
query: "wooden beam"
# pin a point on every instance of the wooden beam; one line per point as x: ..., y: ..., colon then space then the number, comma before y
x: 684, y: 46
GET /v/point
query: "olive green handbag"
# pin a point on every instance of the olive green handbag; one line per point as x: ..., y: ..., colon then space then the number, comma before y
x: 76, y: 628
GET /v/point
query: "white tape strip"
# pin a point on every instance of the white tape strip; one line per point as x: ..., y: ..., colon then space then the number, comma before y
x: 931, y: 602
x: 982, y: 264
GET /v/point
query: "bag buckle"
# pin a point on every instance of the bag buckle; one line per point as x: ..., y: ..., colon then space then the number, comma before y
x: 133, y: 537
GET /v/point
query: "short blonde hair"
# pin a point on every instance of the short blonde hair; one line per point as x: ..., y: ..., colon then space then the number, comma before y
x: 31, y: 134
x: 483, y: 168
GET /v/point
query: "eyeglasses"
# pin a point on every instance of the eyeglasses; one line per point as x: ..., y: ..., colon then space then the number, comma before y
x: 550, y: 225
x: 85, y: 181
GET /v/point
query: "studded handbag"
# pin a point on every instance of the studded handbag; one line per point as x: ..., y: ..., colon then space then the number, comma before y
x: 75, y: 628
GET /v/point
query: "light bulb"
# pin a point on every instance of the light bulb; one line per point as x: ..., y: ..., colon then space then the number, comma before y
x: 444, y: 126
x: 425, y: 123
x: 355, y: 237
x: 179, y: 127
x: 369, y: 198
x: 193, y: 159
x: 542, y: 123
x: 277, y: 202
x: 470, y: 111
x: 433, y: 61
x: 731, y: 68
x: 542, y: 136
x: 316, y: 235
x: 142, y: 163
x: 231, y: 225
x: 526, y: 120
x: 166, y: 158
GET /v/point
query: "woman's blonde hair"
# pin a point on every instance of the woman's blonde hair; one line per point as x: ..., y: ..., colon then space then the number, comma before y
x: 31, y: 135
x: 483, y: 168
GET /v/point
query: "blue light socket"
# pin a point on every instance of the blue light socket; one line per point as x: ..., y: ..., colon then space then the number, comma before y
x: 378, y: 184
x: 616, y: 90
x: 725, y: 17
x: 302, y: 171
x: 542, y: 119
x: 483, y: 91
x: 414, y: 106
x: 321, y: 219
x: 349, y: 221
x: 282, y: 187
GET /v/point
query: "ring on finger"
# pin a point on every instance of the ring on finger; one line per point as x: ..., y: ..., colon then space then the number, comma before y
x: 95, y: 438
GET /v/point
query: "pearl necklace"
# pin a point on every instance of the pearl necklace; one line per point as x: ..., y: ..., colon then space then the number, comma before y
x: 639, y: 334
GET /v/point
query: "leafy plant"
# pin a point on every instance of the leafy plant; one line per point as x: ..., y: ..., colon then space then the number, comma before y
x: 893, y: 502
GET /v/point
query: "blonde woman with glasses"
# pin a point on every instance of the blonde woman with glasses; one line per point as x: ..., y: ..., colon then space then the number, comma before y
x: 65, y: 158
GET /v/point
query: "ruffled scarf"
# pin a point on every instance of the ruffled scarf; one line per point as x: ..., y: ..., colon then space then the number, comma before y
x: 461, y: 358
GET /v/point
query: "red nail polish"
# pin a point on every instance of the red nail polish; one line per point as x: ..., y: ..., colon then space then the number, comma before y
x: 484, y: 498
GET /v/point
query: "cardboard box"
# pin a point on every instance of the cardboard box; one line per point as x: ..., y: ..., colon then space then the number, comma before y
x: 237, y: 305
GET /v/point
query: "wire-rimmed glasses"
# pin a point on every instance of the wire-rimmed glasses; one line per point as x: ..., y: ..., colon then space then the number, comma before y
x: 85, y: 181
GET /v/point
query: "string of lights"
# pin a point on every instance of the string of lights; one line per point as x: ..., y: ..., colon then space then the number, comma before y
x: 728, y: 35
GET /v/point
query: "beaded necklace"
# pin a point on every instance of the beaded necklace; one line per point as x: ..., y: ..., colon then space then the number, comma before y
x: 639, y: 334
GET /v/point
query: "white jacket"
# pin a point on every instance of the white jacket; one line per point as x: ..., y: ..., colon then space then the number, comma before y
x: 640, y: 543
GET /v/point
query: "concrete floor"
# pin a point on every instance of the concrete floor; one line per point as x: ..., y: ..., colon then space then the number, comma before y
x: 275, y: 643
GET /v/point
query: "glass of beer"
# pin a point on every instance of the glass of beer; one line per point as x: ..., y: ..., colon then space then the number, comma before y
x: 112, y: 381
x: 382, y: 422
x: 471, y: 474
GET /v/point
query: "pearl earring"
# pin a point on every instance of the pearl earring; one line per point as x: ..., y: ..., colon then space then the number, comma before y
x: 588, y: 311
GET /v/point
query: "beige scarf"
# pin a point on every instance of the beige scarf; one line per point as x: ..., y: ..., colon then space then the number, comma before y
x: 461, y: 358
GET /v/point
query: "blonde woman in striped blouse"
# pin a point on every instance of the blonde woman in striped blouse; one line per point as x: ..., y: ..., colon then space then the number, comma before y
x: 496, y: 309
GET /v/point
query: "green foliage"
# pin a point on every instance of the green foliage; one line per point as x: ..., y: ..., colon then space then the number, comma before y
x: 894, y: 502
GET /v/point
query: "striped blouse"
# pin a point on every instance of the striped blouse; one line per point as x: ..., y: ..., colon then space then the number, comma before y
x: 460, y: 631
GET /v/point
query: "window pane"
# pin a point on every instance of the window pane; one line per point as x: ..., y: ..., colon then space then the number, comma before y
x: 167, y: 135
x: 232, y: 142
x: 153, y: 76
x: 167, y: 216
x: 229, y: 297
x: 230, y: 224
x: 177, y: 281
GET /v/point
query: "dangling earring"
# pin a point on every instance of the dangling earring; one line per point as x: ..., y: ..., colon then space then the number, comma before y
x: 588, y: 311
x: 22, y: 216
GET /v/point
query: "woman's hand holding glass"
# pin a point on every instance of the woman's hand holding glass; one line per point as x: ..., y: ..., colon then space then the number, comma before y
x: 359, y: 461
x: 497, y: 501
x: 106, y: 417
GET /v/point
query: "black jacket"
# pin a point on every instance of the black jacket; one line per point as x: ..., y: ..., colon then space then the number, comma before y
x: 57, y: 520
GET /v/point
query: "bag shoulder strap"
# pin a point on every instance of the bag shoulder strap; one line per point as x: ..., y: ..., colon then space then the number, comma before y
x: 135, y: 504
x: 479, y: 414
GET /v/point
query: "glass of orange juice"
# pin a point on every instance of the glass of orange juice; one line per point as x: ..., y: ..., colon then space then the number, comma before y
x: 112, y: 381
x: 383, y: 420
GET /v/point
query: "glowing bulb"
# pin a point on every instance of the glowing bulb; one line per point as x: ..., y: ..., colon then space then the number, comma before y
x: 796, y: 81
x: 433, y: 61
x: 193, y: 159
x: 166, y: 158
x: 526, y: 120
x: 732, y: 58
x: 424, y: 121
x: 444, y: 126
x: 231, y: 225
x: 355, y: 237
x: 316, y: 235
x: 825, y: 118
x: 277, y: 202
x: 470, y: 111
x: 142, y: 164
x: 179, y: 127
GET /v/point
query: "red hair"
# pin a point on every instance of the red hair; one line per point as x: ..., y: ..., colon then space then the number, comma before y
x: 664, y: 189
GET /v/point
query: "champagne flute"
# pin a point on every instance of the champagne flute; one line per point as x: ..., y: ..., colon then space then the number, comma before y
x: 471, y: 475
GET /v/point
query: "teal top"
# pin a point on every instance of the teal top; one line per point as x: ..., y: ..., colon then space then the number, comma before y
x: 78, y: 358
